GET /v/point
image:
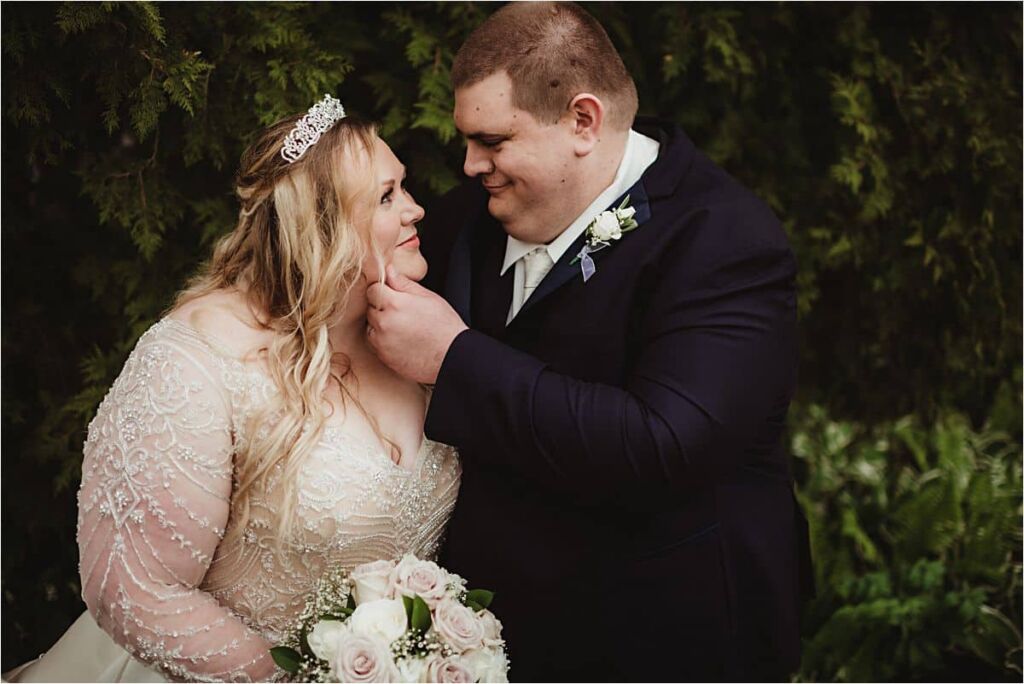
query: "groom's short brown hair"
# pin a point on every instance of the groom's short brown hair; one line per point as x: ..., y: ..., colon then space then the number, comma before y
x: 551, y: 51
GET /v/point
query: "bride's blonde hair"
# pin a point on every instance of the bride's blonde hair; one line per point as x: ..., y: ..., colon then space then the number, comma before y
x: 297, y: 254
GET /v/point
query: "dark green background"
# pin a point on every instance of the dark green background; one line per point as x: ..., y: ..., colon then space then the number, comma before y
x: 887, y: 137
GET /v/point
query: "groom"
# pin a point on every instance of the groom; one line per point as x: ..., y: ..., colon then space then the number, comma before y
x: 620, y: 415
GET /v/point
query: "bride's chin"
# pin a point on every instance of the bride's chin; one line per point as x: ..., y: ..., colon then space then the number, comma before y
x: 414, y: 269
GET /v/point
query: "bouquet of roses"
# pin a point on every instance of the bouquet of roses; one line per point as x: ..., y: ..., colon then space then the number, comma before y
x: 410, y: 621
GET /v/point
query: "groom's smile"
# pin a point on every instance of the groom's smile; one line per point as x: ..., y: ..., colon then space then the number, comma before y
x: 528, y: 167
x: 495, y: 188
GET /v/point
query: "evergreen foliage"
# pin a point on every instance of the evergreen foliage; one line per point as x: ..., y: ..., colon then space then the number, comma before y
x: 886, y: 137
x: 921, y: 578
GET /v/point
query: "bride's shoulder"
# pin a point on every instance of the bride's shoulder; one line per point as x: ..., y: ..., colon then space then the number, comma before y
x: 225, y: 319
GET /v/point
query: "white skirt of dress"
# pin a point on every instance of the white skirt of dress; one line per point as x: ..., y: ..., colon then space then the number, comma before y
x: 85, y: 654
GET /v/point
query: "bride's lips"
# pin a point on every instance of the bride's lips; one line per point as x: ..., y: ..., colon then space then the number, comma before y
x: 412, y: 241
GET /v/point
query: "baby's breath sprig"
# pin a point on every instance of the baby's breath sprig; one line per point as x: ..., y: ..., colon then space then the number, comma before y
x: 457, y: 590
x: 414, y: 644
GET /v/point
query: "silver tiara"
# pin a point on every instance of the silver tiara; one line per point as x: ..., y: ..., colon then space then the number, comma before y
x: 318, y: 120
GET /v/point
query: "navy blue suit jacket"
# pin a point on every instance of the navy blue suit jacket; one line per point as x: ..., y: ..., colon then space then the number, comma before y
x: 625, y: 491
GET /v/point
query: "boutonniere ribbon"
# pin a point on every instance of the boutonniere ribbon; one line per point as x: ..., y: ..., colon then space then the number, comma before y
x: 602, y: 231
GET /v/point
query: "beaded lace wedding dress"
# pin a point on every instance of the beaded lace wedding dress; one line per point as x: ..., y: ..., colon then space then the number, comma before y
x: 167, y: 599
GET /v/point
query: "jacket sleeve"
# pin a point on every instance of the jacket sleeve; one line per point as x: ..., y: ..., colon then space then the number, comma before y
x: 716, y: 363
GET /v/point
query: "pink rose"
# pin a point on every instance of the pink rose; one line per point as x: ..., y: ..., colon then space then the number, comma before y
x: 372, y: 581
x: 362, y: 658
x: 458, y: 625
x: 492, y: 628
x: 421, y: 578
x: 449, y: 670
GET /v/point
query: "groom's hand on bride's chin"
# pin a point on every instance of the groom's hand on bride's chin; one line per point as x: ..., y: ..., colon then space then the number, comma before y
x: 409, y: 327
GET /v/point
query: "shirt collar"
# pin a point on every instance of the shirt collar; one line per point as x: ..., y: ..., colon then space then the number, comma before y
x: 640, y: 153
x: 516, y: 250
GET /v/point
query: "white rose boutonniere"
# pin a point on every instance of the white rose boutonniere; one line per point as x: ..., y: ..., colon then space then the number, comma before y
x: 606, y: 227
x: 602, y: 231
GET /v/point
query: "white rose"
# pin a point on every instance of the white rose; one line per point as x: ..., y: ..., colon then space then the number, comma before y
x: 362, y: 658
x: 449, y: 670
x: 492, y: 628
x: 412, y: 669
x: 384, y: 618
x: 421, y: 578
x: 626, y: 213
x: 458, y: 625
x: 606, y: 227
x: 324, y: 637
x: 373, y: 581
x: 487, y: 664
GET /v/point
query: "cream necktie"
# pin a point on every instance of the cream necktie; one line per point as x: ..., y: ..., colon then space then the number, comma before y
x: 536, y: 265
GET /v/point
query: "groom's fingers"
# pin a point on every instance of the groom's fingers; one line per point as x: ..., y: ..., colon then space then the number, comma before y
x: 376, y: 295
x: 374, y: 321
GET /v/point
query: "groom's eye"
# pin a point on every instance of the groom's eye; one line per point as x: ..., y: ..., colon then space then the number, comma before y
x: 491, y: 142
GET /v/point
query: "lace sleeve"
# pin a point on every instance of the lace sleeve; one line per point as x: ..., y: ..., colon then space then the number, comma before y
x: 154, y: 502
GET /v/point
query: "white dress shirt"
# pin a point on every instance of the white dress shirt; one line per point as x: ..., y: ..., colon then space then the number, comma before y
x: 640, y: 153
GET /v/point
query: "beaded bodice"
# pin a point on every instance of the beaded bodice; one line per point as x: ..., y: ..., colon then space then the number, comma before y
x: 155, y: 512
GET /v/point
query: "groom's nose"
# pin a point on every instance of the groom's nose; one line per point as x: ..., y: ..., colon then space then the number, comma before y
x: 477, y: 160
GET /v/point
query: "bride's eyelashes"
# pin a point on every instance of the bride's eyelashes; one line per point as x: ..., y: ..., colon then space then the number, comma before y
x: 388, y: 195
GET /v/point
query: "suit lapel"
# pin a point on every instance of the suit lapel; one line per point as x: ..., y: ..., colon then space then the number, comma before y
x: 459, y: 277
x: 458, y: 281
x: 564, y: 271
x: 492, y: 293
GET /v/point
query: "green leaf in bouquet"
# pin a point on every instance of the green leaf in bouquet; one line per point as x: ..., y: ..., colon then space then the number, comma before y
x: 351, y: 603
x: 304, y: 642
x: 420, y: 615
x: 287, y: 659
x: 408, y: 602
x: 479, y: 599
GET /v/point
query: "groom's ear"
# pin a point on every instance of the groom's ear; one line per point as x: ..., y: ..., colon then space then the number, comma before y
x: 586, y: 116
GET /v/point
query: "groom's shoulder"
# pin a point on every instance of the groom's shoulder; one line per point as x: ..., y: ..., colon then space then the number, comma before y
x: 704, y: 182
x: 707, y: 206
x: 723, y: 199
x: 686, y: 178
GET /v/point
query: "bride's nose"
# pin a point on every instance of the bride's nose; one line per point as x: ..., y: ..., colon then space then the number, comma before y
x: 415, y: 213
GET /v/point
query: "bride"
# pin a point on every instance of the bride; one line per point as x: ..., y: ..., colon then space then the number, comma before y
x: 253, y: 439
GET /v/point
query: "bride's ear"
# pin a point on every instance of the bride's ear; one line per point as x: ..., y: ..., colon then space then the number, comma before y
x: 586, y: 115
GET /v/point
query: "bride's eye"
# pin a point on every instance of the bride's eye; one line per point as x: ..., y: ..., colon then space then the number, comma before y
x: 386, y: 198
